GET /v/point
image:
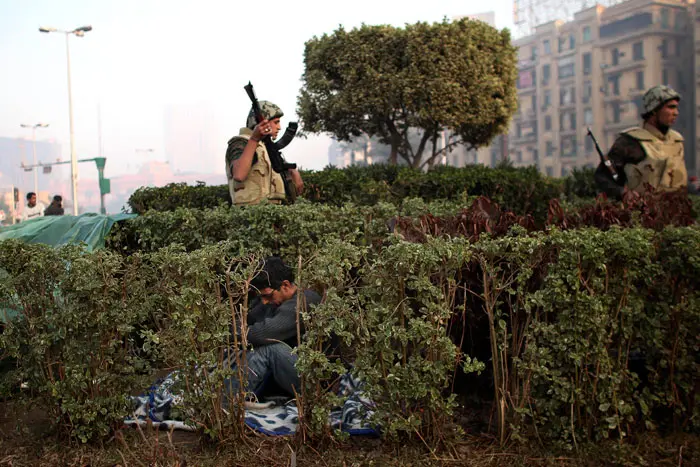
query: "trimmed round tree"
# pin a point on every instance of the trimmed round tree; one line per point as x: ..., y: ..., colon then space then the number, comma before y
x: 406, y: 86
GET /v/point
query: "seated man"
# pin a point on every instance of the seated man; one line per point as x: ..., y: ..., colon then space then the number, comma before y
x: 272, y: 328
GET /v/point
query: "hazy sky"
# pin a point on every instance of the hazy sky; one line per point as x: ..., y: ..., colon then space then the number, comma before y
x: 144, y: 54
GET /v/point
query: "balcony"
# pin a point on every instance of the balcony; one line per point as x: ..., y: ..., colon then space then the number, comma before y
x: 634, y: 27
x: 530, y: 89
x: 526, y: 64
x: 626, y: 65
x: 525, y: 138
x: 567, y: 106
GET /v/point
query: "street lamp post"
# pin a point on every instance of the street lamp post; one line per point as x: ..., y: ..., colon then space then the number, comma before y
x: 80, y: 32
x: 36, y: 173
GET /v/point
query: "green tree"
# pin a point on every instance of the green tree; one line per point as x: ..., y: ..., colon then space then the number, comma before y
x: 406, y: 85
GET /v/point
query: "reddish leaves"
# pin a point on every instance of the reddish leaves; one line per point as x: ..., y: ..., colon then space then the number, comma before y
x: 653, y: 210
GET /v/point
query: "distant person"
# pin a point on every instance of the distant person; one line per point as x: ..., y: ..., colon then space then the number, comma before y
x: 248, y: 168
x: 650, y: 154
x: 33, y: 208
x: 56, y: 207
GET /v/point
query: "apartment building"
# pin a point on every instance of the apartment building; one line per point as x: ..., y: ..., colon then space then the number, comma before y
x: 591, y: 72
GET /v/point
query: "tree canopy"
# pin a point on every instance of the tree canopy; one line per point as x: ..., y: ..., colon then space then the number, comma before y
x: 407, y: 85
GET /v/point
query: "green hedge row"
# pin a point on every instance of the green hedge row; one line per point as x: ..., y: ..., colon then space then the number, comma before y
x: 581, y: 335
x: 522, y: 190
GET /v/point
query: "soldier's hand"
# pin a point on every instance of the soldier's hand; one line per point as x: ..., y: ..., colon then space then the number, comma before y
x: 296, y: 179
x: 262, y: 129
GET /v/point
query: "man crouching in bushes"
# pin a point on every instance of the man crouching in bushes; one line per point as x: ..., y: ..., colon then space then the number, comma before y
x: 272, y: 329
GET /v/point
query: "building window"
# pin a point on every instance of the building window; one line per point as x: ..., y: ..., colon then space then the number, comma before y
x: 547, y: 123
x: 547, y: 99
x: 550, y: 171
x: 533, y: 52
x: 547, y: 46
x: 550, y: 149
x: 664, y: 48
x: 679, y: 24
x: 638, y: 51
x: 546, y: 74
x: 567, y: 96
x: 572, y: 121
x: 680, y: 81
x: 615, y: 56
x: 588, y: 116
x: 518, y: 156
x: 564, y: 171
x: 518, y: 130
x: 588, y: 145
x: 568, y: 146
x: 572, y: 41
x: 679, y: 47
x: 566, y: 68
x: 616, y: 111
x: 562, y: 42
x: 533, y: 103
x: 615, y: 84
x: 586, y: 34
x: 587, y: 64
x: 640, y: 80
x: 587, y: 91
x: 665, y: 18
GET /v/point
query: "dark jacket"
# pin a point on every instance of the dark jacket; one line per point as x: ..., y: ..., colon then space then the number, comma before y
x: 54, y: 209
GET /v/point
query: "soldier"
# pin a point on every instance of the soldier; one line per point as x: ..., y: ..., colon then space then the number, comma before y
x: 651, y: 154
x: 248, y: 168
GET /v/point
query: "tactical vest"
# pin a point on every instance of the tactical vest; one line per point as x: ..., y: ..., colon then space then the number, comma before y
x: 262, y: 182
x: 664, y: 164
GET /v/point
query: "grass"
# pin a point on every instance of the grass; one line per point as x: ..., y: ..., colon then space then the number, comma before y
x: 26, y: 439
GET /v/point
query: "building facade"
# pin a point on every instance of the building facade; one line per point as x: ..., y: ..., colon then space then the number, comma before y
x: 591, y: 72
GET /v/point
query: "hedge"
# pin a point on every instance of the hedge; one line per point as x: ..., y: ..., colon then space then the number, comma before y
x: 580, y: 335
x: 523, y: 190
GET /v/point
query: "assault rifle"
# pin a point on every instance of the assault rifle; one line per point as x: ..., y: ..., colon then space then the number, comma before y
x: 279, y: 165
x: 604, y: 158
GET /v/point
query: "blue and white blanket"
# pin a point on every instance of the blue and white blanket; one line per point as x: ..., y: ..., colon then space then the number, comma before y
x: 161, y: 407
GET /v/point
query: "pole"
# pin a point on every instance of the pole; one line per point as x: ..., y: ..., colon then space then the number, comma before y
x: 73, y: 158
x: 101, y: 173
x: 36, y: 172
x: 14, y: 205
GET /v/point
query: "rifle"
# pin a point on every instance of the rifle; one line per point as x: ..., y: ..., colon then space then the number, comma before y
x: 605, y: 159
x: 279, y: 165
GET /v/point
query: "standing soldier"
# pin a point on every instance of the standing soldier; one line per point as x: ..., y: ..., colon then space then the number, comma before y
x: 651, y: 154
x: 251, y: 178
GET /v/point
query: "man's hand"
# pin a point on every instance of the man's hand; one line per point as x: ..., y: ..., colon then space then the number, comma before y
x: 261, y: 130
x: 296, y: 178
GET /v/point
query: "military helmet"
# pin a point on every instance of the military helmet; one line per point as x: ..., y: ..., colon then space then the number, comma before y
x: 269, y: 111
x: 656, y: 97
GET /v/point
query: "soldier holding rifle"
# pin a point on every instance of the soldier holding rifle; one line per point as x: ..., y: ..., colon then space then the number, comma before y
x: 651, y: 154
x: 255, y: 168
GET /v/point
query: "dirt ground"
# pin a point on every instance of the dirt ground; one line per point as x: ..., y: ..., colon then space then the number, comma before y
x: 26, y: 439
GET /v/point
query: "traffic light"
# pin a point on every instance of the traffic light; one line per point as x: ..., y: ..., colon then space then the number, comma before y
x: 16, y: 194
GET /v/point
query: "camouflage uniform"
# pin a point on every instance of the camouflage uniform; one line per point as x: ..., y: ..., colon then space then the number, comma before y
x: 646, y: 155
x: 262, y: 182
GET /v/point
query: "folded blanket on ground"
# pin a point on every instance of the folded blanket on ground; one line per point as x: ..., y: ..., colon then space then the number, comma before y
x: 163, y: 408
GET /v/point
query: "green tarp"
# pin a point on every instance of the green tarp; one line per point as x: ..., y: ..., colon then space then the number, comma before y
x: 89, y: 228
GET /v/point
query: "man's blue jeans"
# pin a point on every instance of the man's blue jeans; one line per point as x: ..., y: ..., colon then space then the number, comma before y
x: 274, y: 361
